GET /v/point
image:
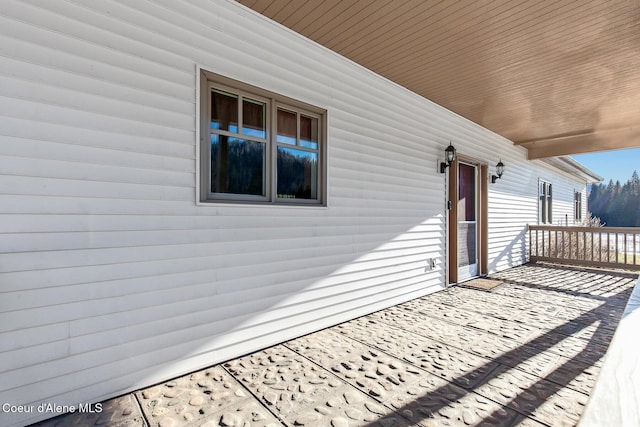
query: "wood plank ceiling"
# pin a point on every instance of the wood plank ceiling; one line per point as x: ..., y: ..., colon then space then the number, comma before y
x: 555, y: 76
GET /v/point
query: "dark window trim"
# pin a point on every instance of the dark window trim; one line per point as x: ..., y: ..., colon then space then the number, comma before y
x: 209, y: 80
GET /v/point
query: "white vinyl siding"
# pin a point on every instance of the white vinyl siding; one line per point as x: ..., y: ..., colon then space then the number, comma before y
x: 112, y: 277
x: 562, y: 200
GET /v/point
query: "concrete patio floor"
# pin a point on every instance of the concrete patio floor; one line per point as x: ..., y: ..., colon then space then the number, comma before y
x: 526, y: 352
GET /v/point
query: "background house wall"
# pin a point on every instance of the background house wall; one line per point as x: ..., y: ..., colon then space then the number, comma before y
x: 112, y: 278
x: 565, y: 213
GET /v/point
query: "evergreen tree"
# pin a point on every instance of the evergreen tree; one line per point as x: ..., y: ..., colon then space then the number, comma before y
x: 615, y: 204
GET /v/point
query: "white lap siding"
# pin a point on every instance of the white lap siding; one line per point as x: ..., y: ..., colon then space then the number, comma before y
x: 113, y: 278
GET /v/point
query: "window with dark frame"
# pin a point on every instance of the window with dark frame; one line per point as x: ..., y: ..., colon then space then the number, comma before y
x: 545, y: 203
x: 298, y: 155
x: 578, y: 205
x: 238, y: 144
x: 257, y: 146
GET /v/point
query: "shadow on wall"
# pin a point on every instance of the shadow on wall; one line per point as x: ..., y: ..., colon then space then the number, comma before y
x: 141, y: 335
x: 514, y: 254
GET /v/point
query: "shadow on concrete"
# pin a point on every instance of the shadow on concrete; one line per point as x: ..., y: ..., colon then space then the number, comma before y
x: 560, y: 282
x: 527, y: 401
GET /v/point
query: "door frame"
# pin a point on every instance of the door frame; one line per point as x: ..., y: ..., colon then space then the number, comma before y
x: 452, y: 197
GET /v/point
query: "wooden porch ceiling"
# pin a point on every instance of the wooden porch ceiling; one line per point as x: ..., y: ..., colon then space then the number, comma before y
x: 555, y: 76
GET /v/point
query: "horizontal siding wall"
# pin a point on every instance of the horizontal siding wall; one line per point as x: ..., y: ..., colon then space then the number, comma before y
x: 563, y: 194
x: 513, y: 204
x: 112, y: 278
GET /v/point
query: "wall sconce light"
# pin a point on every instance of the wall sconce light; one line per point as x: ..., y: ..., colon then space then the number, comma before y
x: 449, y: 156
x: 499, y: 171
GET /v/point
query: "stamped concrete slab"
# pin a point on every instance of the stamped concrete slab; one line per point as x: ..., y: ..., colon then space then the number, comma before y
x: 537, y: 295
x: 525, y: 353
x: 470, y: 339
x: 584, y: 303
x: 246, y: 414
x: 301, y: 393
x: 441, y: 311
x: 451, y: 406
x: 568, y: 280
x: 445, y: 361
x: 420, y: 324
x: 607, y: 315
x: 546, y: 402
x: 473, y: 298
x: 516, y: 331
x: 368, y: 369
x: 473, y: 303
x: 516, y: 389
x: 562, y: 409
x: 531, y: 360
x: 575, y: 375
x: 575, y: 348
x: 596, y: 331
x: 539, y: 314
x: 209, y: 396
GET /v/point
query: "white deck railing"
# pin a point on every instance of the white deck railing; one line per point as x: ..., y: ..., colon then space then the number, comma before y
x: 617, y: 247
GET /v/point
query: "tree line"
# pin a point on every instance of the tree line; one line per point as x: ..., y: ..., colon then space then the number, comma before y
x: 238, y: 167
x: 617, y: 205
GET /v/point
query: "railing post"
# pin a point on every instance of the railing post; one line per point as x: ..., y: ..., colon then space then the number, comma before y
x: 625, y: 248
x: 570, y: 245
x: 600, y: 248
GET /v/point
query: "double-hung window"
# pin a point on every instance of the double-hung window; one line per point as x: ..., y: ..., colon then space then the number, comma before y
x: 545, y: 205
x: 577, y: 200
x: 257, y: 146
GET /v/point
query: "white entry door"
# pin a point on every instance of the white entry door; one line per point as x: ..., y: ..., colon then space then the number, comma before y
x: 467, y: 221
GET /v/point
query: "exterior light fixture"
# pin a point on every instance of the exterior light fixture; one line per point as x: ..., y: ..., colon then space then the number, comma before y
x: 499, y: 171
x: 449, y: 156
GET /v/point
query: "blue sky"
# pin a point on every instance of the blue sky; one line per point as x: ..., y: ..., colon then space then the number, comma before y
x: 616, y: 165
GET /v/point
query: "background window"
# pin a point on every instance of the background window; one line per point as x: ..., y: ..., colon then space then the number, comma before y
x: 578, y: 205
x: 545, y: 203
